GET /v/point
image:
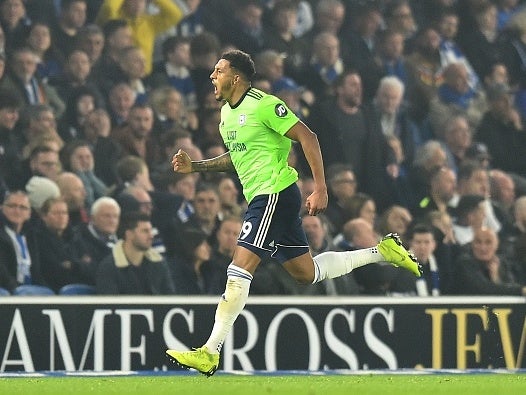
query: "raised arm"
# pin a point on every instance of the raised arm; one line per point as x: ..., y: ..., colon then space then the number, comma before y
x: 182, y: 163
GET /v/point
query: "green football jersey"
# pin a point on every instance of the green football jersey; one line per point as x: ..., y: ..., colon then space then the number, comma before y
x: 253, y: 132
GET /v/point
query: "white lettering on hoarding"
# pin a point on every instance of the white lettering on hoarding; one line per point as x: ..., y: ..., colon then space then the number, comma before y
x: 337, y: 346
x: 312, y: 335
x: 373, y: 342
x: 171, y: 341
x: 230, y: 352
x: 18, y: 332
x: 126, y: 342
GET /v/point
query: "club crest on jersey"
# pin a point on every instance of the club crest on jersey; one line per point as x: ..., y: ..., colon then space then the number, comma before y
x: 280, y: 110
x: 242, y: 119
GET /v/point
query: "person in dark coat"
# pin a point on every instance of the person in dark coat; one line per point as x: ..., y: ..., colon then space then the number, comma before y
x: 133, y: 267
x: 19, y: 256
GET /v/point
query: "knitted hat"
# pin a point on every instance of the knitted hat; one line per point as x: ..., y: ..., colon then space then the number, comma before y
x: 40, y: 189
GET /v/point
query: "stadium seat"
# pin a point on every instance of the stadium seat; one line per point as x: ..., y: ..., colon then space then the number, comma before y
x: 4, y: 292
x: 26, y: 290
x: 77, y: 289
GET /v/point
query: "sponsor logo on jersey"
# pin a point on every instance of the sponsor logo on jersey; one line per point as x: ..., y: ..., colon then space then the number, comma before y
x: 280, y: 110
x: 242, y: 119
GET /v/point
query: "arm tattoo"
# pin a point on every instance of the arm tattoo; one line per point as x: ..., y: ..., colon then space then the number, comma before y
x: 219, y: 163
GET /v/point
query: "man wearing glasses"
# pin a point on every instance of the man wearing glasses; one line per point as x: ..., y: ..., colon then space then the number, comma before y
x: 19, y: 263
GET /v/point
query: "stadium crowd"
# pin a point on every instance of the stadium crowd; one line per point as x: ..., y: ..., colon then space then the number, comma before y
x: 419, y: 107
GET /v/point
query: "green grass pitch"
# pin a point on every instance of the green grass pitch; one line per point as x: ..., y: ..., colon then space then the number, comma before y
x: 222, y: 384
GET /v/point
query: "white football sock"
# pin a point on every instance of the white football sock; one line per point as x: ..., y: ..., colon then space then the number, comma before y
x: 333, y: 264
x: 231, y: 304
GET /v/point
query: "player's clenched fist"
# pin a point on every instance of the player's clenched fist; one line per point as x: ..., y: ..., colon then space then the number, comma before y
x: 181, y: 162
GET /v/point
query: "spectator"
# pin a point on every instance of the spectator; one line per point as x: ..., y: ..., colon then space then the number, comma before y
x: 131, y: 70
x: 19, y: 260
x: 350, y: 133
x: 396, y: 219
x: 207, y: 209
x: 76, y: 75
x: 71, y: 17
x: 43, y: 161
x: 121, y: 98
x: 175, y: 70
x: 424, y: 70
x: 474, y: 179
x: 81, y: 102
x: 437, y: 277
x: 59, y: 266
x: 136, y: 198
x: 360, y: 37
x: 362, y: 205
x: 182, y: 185
x: 279, y: 36
x: 502, y: 192
x: 429, y: 157
x: 24, y: 81
x: 270, y: 65
x: 481, y: 271
x: 90, y: 39
x: 229, y: 197
x: 341, y: 185
x: 9, y: 115
x: 186, y: 264
x: 78, y: 158
x: 456, y: 97
x: 329, y: 16
x: 49, y: 60
x: 502, y: 123
x: 442, y: 189
x: 204, y: 49
x: 390, y: 59
x: 117, y: 36
x: 450, y: 51
x: 399, y: 16
x: 73, y: 191
x: 133, y: 267
x: 513, y: 47
x: 458, y: 137
x: 191, y: 25
x: 470, y: 216
x: 171, y: 112
x: 480, y: 42
x: 106, y: 152
x: 15, y: 22
x: 145, y: 27
x: 38, y: 125
x: 135, y: 136
x: 39, y: 190
x: 395, y: 118
x: 479, y: 153
x: 245, y: 31
x: 95, y: 240
x: 132, y: 170
x: 325, y: 66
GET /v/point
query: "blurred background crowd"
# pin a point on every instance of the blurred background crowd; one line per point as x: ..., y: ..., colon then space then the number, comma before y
x: 419, y: 107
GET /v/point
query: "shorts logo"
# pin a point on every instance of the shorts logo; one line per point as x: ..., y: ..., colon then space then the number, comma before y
x: 242, y: 119
x: 280, y: 110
